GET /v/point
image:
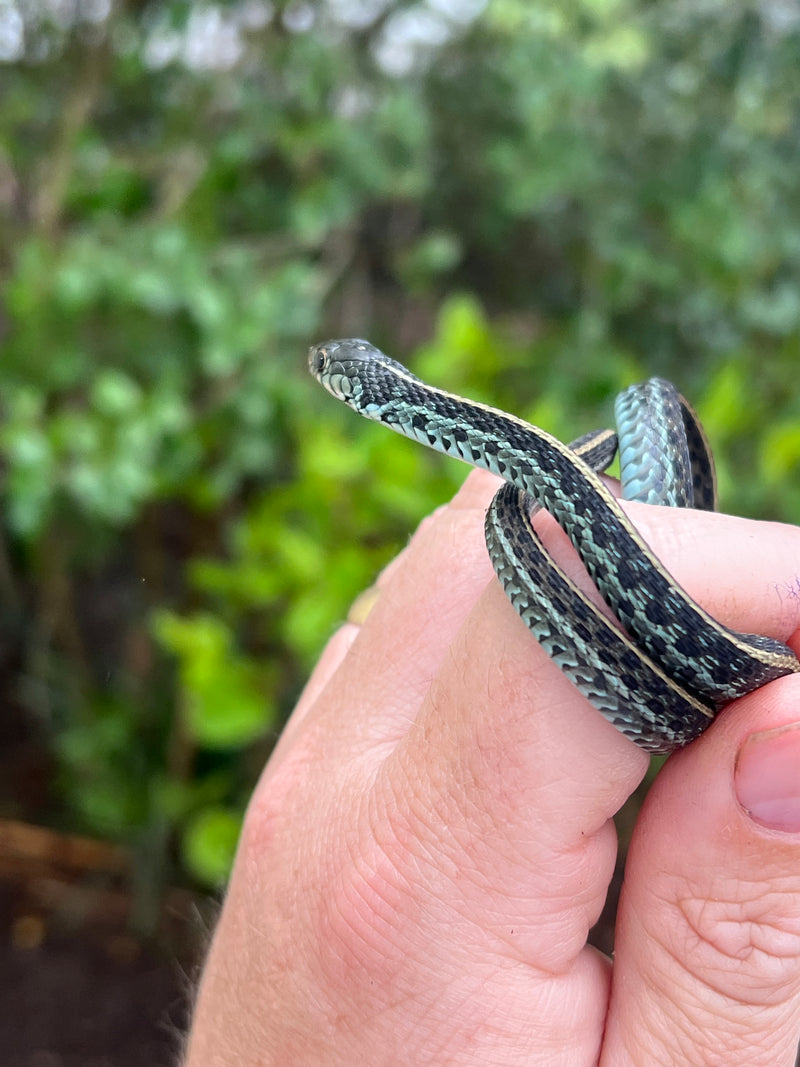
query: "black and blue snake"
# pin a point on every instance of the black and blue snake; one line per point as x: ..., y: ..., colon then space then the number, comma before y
x: 659, y: 675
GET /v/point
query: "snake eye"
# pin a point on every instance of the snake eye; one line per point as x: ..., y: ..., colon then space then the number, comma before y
x: 317, y: 359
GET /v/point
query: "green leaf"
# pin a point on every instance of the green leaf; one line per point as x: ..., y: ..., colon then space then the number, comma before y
x: 208, y: 844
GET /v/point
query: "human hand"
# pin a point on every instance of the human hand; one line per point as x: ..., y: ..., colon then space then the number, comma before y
x: 432, y: 839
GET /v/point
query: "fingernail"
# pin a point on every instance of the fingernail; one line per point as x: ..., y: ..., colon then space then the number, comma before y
x: 363, y: 605
x: 767, y: 778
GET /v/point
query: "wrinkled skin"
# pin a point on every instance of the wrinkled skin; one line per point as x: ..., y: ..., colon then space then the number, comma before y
x: 432, y: 839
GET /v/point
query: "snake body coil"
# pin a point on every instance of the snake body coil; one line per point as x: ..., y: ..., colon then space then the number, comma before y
x: 663, y: 679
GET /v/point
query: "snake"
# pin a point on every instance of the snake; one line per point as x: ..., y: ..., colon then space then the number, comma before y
x: 662, y: 668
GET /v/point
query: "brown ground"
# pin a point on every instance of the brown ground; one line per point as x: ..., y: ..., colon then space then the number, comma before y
x: 79, y: 989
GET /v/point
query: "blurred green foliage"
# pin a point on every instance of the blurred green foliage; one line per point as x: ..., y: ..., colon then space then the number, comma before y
x: 534, y: 203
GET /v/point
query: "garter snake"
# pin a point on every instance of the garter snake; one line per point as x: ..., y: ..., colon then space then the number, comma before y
x: 660, y: 673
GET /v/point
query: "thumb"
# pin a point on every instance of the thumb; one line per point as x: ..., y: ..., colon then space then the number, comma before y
x: 707, y: 967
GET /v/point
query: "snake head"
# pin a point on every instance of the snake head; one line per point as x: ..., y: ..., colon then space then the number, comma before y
x: 332, y: 364
x: 349, y: 369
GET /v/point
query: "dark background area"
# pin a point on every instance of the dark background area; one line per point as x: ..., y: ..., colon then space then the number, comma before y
x: 532, y: 203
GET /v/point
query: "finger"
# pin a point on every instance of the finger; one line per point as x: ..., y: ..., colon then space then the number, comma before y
x: 415, y: 608
x: 754, y: 582
x: 381, y: 669
x: 327, y: 665
x: 339, y: 645
x: 482, y: 857
x: 707, y: 963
